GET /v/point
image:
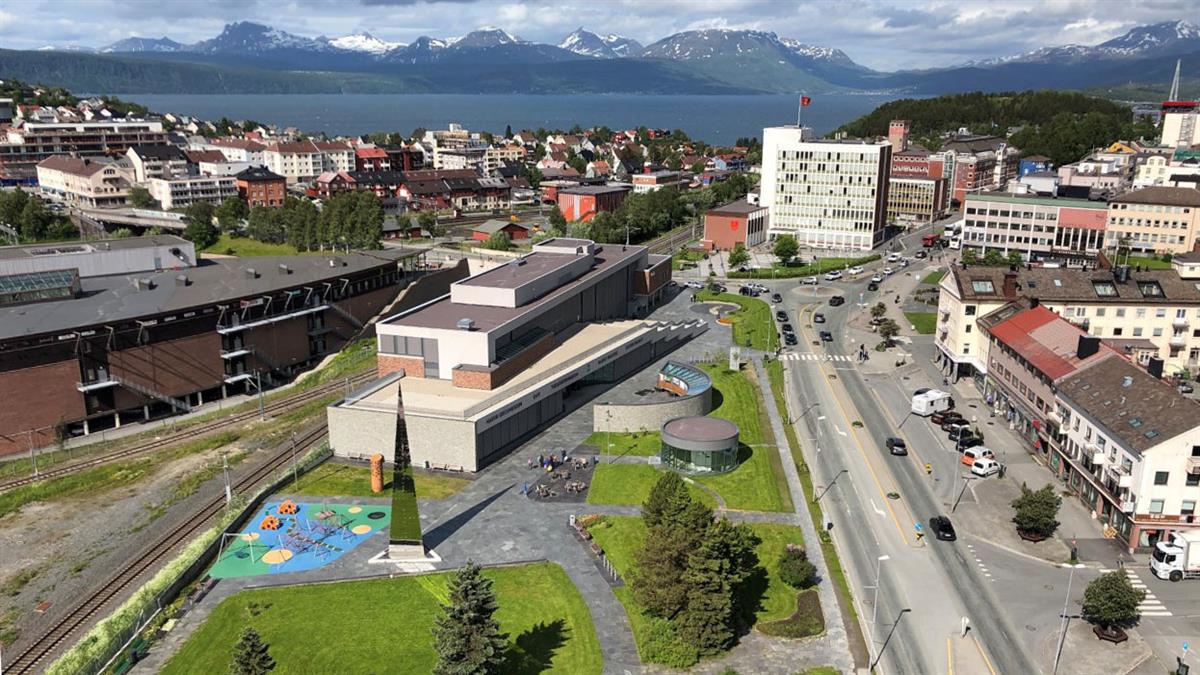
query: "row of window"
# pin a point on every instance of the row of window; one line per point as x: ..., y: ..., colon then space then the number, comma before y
x: 1005, y: 213
x: 1150, y: 208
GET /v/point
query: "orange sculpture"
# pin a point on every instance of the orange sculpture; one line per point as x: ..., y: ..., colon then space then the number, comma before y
x: 288, y: 508
x: 377, y: 473
x: 269, y: 523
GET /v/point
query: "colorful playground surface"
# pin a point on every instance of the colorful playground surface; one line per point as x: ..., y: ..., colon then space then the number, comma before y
x: 292, y: 536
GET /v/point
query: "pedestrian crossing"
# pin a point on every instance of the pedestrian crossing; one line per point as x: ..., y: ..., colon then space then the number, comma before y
x: 1150, y: 606
x: 809, y: 356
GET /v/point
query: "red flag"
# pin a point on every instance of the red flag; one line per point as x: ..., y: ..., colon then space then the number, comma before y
x: 804, y: 101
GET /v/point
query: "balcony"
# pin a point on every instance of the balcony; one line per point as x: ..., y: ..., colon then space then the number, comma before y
x: 1193, y: 465
x: 1178, y: 341
x: 1120, y: 476
x: 1180, y: 322
x: 1128, y: 505
x: 1099, y: 457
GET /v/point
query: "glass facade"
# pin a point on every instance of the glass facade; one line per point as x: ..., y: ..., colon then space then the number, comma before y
x: 700, y: 461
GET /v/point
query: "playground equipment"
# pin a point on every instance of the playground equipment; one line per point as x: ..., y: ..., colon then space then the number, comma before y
x: 288, y: 508
x: 269, y: 523
x: 377, y: 473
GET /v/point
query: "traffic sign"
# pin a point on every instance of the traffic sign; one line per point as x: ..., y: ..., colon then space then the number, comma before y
x: 918, y: 527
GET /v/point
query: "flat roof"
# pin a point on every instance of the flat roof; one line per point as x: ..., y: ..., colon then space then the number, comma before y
x: 521, y: 271
x: 444, y: 314
x: 700, y: 429
x: 113, y: 299
x: 25, y: 251
x: 595, y: 189
x: 1012, y: 198
x: 740, y: 207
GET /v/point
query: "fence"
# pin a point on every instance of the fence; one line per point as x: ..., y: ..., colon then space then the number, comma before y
x: 104, y: 644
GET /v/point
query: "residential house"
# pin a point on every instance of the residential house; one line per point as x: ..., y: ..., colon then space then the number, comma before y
x: 1154, y: 219
x: 260, y: 187
x: 157, y: 161
x: 85, y: 181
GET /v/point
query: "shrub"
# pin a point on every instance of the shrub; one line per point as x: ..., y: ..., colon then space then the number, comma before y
x: 664, y: 646
x: 1037, y: 510
x: 795, y: 569
x: 806, y: 621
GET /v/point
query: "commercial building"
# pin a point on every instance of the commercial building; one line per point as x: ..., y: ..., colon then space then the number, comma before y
x: 141, y: 344
x: 508, y: 350
x: 259, y: 186
x: 651, y: 181
x: 157, y: 161
x: 1032, y: 225
x: 33, y: 142
x: 1180, y: 127
x: 827, y: 194
x: 185, y: 190
x: 84, y: 181
x: 738, y: 222
x: 917, y: 199
x: 980, y: 163
x: 583, y: 202
x: 1155, y: 220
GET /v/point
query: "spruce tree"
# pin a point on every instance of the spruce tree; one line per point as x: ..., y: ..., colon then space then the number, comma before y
x: 677, y: 522
x: 667, y: 499
x: 467, y: 636
x: 718, y: 568
x: 250, y: 655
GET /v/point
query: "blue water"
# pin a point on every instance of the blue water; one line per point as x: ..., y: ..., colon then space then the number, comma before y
x: 713, y: 119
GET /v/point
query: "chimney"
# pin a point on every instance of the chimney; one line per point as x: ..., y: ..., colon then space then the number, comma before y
x: 1033, y: 302
x: 1088, y: 345
x: 1155, y: 367
x: 1010, y: 285
x: 284, y: 269
x: 1127, y: 381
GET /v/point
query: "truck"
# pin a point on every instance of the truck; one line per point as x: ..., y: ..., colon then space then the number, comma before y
x: 929, y: 402
x: 1178, y: 558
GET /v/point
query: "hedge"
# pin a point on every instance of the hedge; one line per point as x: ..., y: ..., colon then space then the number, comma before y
x: 819, y: 267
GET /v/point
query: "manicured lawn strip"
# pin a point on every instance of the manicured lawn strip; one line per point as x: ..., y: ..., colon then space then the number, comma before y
x: 924, y: 322
x: 332, y: 479
x: 1145, y: 262
x: 753, y: 485
x: 246, y: 247
x: 858, y: 644
x: 630, y: 484
x: 933, y: 277
x: 384, y: 625
x: 779, y: 600
x: 813, y: 269
x: 753, y: 325
x: 645, y: 444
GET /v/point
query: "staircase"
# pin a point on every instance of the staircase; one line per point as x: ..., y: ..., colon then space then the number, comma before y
x: 180, y: 405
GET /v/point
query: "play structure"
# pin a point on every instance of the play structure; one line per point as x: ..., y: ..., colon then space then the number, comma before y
x: 294, y: 537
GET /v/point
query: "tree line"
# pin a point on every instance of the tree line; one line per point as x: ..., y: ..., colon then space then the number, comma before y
x: 28, y: 215
x: 347, y: 220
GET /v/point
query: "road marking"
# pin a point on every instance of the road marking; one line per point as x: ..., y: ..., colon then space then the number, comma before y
x: 877, y: 509
x: 949, y: 656
x: 839, y: 430
x: 986, y: 661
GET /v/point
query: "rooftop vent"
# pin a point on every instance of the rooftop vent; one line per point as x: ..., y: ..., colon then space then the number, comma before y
x: 143, y: 283
x: 251, y: 273
x: 466, y: 324
x: 284, y: 269
x: 1127, y: 381
x: 181, y: 280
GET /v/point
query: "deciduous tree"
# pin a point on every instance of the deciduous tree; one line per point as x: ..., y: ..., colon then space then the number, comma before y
x: 738, y: 256
x: 1110, y: 601
x: 786, y: 247
x: 1037, y: 510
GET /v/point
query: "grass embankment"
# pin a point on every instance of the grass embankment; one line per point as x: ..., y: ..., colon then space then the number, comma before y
x: 757, y: 484
x: 1147, y: 263
x: 686, y: 259
x: 245, y: 247
x: 933, y: 277
x: 858, y: 645
x: 752, y: 323
x: 354, y: 358
x: 924, y: 322
x: 622, y: 536
x: 385, y: 625
x: 812, y: 269
x: 332, y: 479
x: 640, y: 444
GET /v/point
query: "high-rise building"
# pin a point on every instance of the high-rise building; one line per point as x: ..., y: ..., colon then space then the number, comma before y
x: 828, y: 194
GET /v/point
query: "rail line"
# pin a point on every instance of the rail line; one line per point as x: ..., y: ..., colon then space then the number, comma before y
x: 197, y: 430
x: 86, y: 612
x: 668, y: 242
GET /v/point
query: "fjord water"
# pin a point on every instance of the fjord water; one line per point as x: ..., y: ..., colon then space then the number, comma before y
x: 714, y: 119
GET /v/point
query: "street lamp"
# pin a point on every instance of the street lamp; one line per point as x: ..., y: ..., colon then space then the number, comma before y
x: 803, y: 413
x: 827, y: 487
x: 875, y: 592
x: 1062, y: 631
x: 889, y: 638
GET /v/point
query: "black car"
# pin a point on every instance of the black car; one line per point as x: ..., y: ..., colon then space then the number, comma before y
x: 826, y: 336
x: 919, y: 255
x: 957, y: 433
x: 954, y: 423
x: 872, y: 286
x: 787, y: 328
x: 790, y: 340
x: 942, y: 528
x: 775, y: 297
x: 719, y: 288
x: 818, y: 318
x: 940, y: 418
x: 922, y: 390
x: 836, y: 300
x: 969, y: 442
x: 896, y: 446
x: 781, y: 316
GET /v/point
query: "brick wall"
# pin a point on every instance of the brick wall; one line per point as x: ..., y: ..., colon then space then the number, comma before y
x: 479, y: 378
x: 37, y: 398
x: 411, y: 365
x: 173, y: 367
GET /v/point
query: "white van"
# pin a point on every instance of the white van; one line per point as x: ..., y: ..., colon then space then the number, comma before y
x: 984, y: 467
x: 930, y: 402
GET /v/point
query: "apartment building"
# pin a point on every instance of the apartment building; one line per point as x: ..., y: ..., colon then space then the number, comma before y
x: 237, y: 149
x: 303, y: 161
x: 1180, y: 124
x: 1034, y: 226
x: 34, y: 141
x: 84, y: 181
x: 1154, y: 220
x: 917, y: 199
x: 498, y: 156
x: 1159, y: 169
x: 157, y: 161
x: 183, y: 191
x: 827, y: 194
x: 260, y: 187
x: 1141, y: 313
x: 980, y: 163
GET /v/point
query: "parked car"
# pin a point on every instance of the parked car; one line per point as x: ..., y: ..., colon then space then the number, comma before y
x: 787, y: 328
x: 720, y: 288
x: 781, y: 316
x: 833, y: 276
x: 896, y: 446
x: 809, y: 281
x: 1185, y: 388
x: 969, y: 442
x: 836, y: 300
x: 893, y: 257
x: 887, y: 271
x: 694, y: 284
x: 877, y: 279
x: 918, y: 392
x: 919, y: 255
x: 942, y: 528
x: 826, y: 336
x: 818, y: 318
x: 790, y: 340
x: 954, y: 423
x: 985, y: 467
x: 940, y: 418
x: 872, y: 286
x: 776, y: 298
x: 969, y: 455
x: 855, y: 270
x: 758, y: 287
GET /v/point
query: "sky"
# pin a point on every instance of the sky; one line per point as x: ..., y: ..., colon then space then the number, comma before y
x: 885, y: 35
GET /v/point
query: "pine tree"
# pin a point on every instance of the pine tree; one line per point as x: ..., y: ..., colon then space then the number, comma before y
x: 667, y: 499
x: 250, y: 655
x: 467, y: 637
x: 718, y: 568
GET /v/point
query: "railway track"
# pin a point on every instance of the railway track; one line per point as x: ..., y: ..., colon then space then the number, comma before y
x: 276, y: 407
x: 84, y: 614
x: 667, y: 243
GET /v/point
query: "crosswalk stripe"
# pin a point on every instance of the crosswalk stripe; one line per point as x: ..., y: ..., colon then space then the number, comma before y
x: 1156, y: 614
x: 1147, y: 603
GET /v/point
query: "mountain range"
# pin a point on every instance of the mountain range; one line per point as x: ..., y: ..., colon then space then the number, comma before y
x: 245, y: 56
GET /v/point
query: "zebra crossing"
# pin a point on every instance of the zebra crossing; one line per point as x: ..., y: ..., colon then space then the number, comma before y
x: 1151, y: 605
x: 809, y: 356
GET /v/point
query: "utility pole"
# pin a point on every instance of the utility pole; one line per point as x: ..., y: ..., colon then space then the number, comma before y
x: 295, y: 469
x: 1062, y: 630
x: 225, y: 470
x: 32, y: 454
x: 889, y: 638
x: 262, y: 415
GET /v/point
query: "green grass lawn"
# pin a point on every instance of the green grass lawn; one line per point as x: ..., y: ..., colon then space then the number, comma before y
x: 933, y: 277
x: 354, y: 358
x: 331, y: 479
x: 630, y: 484
x: 1146, y: 262
x: 383, y: 625
x: 246, y: 247
x: 753, y: 325
x: 644, y: 444
x: 924, y: 322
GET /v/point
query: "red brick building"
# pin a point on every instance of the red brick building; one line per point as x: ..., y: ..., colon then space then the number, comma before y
x: 583, y: 202
x: 371, y: 159
x: 261, y: 187
x: 738, y: 222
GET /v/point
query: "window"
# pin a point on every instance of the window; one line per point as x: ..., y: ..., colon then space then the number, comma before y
x: 1117, y: 332
x: 1141, y: 312
x: 1101, y: 311
x: 985, y: 286
x: 1137, y: 331
x: 967, y: 329
x: 1188, y: 508
x: 1156, y: 506
x: 1160, y: 313
x: 1160, y: 477
x: 1120, y: 312
x: 971, y: 310
x: 1157, y: 332
x: 1193, y: 480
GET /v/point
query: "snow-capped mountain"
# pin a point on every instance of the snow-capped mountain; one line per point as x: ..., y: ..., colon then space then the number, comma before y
x: 587, y: 43
x: 1153, y: 37
x: 817, y: 54
x: 1153, y: 40
x: 484, y: 46
x: 487, y: 37
x: 422, y: 50
x: 141, y: 44
x: 720, y: 42
x: 67, y: 48
x: 244, y: 37
x: 363, y: 42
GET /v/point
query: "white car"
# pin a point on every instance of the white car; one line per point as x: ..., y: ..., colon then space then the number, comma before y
x: 984, y: 467
x: 833, y: 276
x: 878, y: 278
x: 895, y: 257
x: 856, y: 270
x: 887, y: 271
x: 809, y: 281
x: 694, y: 284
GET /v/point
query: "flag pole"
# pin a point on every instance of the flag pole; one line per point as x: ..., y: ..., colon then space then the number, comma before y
x: 799, y: 110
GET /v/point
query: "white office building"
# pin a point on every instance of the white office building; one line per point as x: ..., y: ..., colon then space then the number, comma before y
x: 827, y: 194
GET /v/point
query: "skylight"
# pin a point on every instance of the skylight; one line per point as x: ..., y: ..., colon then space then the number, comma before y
x: 1150, y: 289
x: 1105, y: 289
x: 1135, y: 422
x: 983, y: 286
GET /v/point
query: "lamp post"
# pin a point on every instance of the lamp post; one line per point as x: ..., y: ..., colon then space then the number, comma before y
x: 1062, y: 630
x: 889, y: 637
x: 827, y: 487
x: 875, y: 592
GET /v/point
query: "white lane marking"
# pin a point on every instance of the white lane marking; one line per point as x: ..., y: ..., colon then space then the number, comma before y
x: 877, y: 509
x: 839, y: 430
